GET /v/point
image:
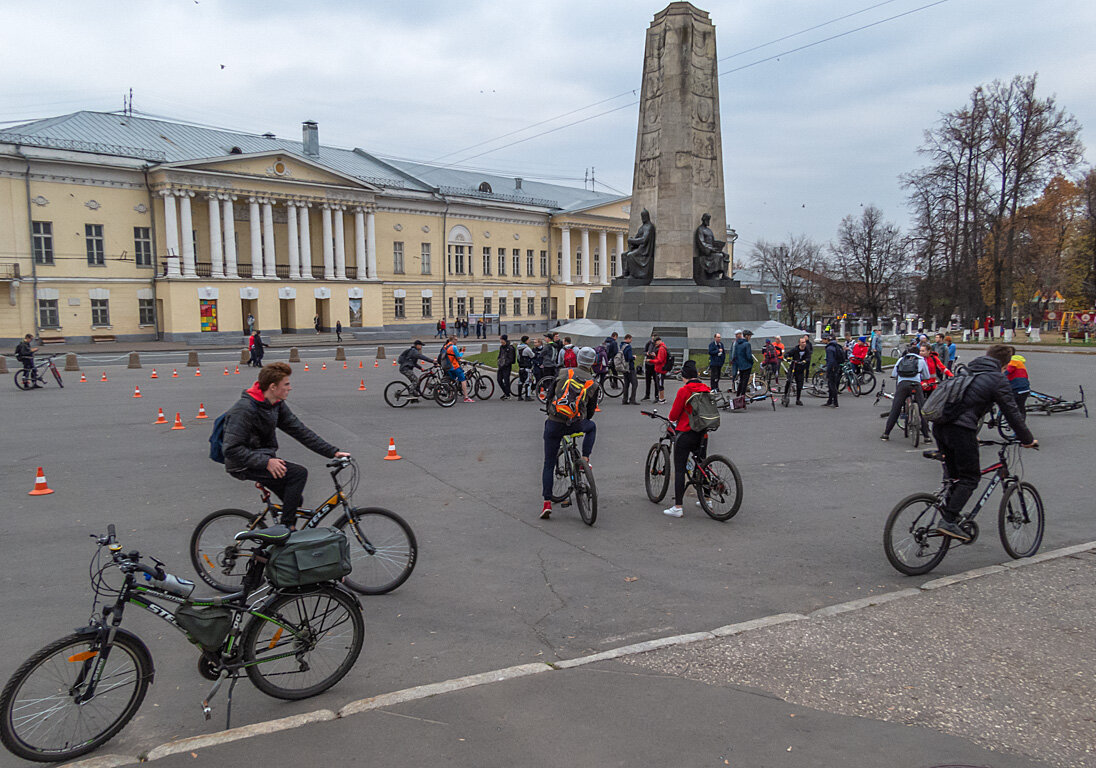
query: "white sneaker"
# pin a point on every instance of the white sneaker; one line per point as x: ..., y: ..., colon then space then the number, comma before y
x: 674, y: 512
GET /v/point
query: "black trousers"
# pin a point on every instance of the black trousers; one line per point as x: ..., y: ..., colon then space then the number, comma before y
x: 503, y: 377
x: 743, y: 381
x: 715, y: 371
x: 797, y: 374
x: 631, y: 383
x: 289, y: 487
x: 960, y: 448
x: 832, y: 377
x: 901, y: 392
x: 649, y: 373
x: 687, y: 443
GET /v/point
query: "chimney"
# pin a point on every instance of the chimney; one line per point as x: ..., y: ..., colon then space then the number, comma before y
x: 311, y: 138
x: 517, y: 184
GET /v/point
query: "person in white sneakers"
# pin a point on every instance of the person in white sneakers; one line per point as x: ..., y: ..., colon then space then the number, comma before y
x: 688, y: 442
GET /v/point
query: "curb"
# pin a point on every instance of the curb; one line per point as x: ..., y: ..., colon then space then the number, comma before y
x: 523, y: 670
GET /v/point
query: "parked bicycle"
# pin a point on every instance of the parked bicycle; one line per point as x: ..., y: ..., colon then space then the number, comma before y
x: 1039, y: 402
x: 401, y: 392
x: 912, y: 544
x: 574, y: 477
x: 35, y: 376
x: 480, y: 384
x: 383, y: 546
x: 716, y: 479
x: 78, y: 692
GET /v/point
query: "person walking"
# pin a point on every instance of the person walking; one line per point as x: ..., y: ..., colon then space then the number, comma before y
x: 743, y: 360
x: 835, y: 358
x: 506, y: 359
x: 526, y: 358
x: 662, y: 357
x: 717, y: 356
x: 649, y: 350
x: 799, y: 360
x: 250, y: 323
x: 580, y: 382
x: 910, y: 371
x: 258, y: 347
x: 876, y: 346
x: 687, y: 441
x: 338, y: 330
x: 631, y: 381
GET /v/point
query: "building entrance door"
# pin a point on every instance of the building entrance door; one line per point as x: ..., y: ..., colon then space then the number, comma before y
x: 322, y: 315
x: 285, y: 311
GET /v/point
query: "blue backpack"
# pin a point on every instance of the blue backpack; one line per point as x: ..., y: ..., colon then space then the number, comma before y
x: 217, y: 439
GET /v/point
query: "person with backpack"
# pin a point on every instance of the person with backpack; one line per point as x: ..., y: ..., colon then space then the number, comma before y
x: 408, y: 362
x: 663, y: 365
x: 601, y: 363
x: 612, y: 349
x: 570, y: 403
x: 650, y: 349
x: 910, y: 371
x: 799, y: 360
x: 526, y: 358
x: 835, y: 358
x: 770, y: 359
x: 569, y: 356
x: 957, y: 438
x: 552, y: 358
x: 449, y: 361
x: 24, y: 353
x: 743, y: 361
x: 692, y: 415
x: 258, y: 349
x: 250, y: 442
x: 631, y: 381
x: 506, y: 359
x: 717, y: 356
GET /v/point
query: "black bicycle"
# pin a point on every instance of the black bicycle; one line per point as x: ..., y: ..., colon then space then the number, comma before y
x: 35, y: 376
x: 383, y: 546
x: 426, y: 387
x: 716, y: 479
x: 912, y: 543
x: 78, y: 692
x: 573, y: 476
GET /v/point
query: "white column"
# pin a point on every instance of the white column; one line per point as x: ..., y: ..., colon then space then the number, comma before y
x: 585, y: 255
x: 230, y: 236
x: 256, y: 237
x: 268, y: 240
x: 371, y: 245
x: 620, y: 254
x: 603, y: 255
x: 216, y: 262
x: 294, y: 240
x: 306, y: 245
x: 340, y: 242
x: 359, y: 243
x: 171, y: 234
x: 565, y: 246
x: 187, y: 234
x: 328, y: 251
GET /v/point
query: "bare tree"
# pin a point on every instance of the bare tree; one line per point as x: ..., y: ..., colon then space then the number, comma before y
x: 1087, y: 239
x: 787, y: 264
x: 869, y: 259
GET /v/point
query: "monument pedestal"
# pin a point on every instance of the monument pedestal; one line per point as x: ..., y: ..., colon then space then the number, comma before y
x: 677, y: 301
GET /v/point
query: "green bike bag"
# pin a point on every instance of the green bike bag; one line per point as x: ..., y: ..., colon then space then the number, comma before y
x: 206, y: 625
x: 309, y: 557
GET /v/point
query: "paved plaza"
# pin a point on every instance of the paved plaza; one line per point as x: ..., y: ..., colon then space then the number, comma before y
x: 495, y: 587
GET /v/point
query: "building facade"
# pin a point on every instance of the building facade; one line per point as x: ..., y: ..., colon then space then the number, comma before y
x: 114, y: 226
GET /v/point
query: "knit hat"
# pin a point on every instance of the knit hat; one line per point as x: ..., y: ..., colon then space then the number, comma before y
x: 586, y: 357
x: 504, y: 337
x: 688, y: 370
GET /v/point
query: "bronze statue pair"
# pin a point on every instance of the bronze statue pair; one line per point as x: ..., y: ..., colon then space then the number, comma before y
x: 711, y: 264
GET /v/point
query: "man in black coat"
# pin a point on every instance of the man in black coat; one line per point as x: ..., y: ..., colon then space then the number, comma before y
x: 507, y: 356
x: 835, y: 358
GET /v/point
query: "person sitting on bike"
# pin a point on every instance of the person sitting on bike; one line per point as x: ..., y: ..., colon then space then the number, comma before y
x: 526, y: 358
x: 860, y: 352
x: 24, y: 353
x: 910, y: 370
x: 1018, y: 381
x: 937, y: 369
x: 958, y: 438
x: 450, y: 358
x: 770, y: 360
x: 799, y: 358
x: 251, y: 445
x: 557, y: 425
x: 687, y: 442
x: 408, y: 362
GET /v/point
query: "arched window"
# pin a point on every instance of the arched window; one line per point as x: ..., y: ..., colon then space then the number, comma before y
x: 459, y: 251
x: 485, y: 187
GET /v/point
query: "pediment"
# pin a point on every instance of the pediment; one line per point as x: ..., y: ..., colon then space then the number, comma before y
x: 273, y: 166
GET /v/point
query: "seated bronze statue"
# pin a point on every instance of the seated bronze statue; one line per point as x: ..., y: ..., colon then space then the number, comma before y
x: 638, y: 264
x: 711, y: 264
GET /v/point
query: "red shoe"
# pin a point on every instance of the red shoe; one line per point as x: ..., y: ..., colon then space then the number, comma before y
x: 546, y: 512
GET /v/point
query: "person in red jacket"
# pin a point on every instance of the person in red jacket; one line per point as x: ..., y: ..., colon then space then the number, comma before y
x: 662, y: 355
x: 687, y: 442
x: 937, y: 370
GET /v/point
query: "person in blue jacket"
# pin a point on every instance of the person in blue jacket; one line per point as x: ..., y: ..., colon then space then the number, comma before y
x: 717, y: 356
x: 743, y: 359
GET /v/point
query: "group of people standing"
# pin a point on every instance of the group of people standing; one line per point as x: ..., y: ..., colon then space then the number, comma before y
x: 460, y: 328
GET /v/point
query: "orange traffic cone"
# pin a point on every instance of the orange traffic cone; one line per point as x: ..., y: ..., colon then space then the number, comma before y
x: 323, y: 366
x: 201, y: 412
x: 41, y: 488
x: 306, y: 366
x: 104, y: 376
x: 178, y: 422
x: 83, y: 379
x: 237, y: 369
x: 136, y: 391
x: 376, y: 364
x: 160, y: 418
x: 393, y: 362
x: 345, y: 366
x: 362, y: 387
x: 174, y: 373
x: 197, y: 371
x: 154, y: 376
x: 226, y: 371
x: 361, y: 363
x: 597, y: 409
x: 392, y: 455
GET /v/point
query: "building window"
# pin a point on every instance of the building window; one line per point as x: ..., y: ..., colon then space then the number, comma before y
x: 544, y: 305
x: 486, y: 261
x: 577, y: 268
x: 486, y: 305
x: 544, y: 263
x: 397, y: 257
x: 100, y: 312
x: 597, y: 264
x: 529, y: 259
x: 93, y: 236
x: 461, y: 306
x: 471, y: 305
x: 613, y: 263
x: 142, y: 246
x: 43, y: 242
x: 146, y: 315
x: 450, y: 306
x: 401, y: 311
x: 517, y: 306
x: 559, y: 263
x: 502, y: 262
x: 197, y: 254
x: 502, y: 306
x: 427, y: 306
x: 517, y: 263
x: 48, y: 314
x: 426, y: 258
x: 532, y: 306
x: 458, y: 259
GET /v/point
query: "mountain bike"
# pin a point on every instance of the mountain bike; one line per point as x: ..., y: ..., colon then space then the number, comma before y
x: 383, y: 548
x: 909, y: 418
x: 480, y: 384
x: 1044, y: 403
x: 848, y: 380
x: 574, y: 477
x: 34, y: 377
x: 866, y: 377
x: 399, y: 393
x: 78, y: 692
x: 716, y: 479
x: 910, y: 539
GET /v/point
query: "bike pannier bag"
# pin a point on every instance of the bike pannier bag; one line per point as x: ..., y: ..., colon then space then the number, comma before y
x: 206, y: 625
x: 570, y: 396
x: 309, y: 557
x: 945, y: 403
x: 738, y: 403
x: 704, y: 416
x: 909, y: 365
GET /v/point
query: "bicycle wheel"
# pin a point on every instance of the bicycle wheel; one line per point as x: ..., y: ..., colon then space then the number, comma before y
x: 383, y: 550
x: 397, y: 394
x: 819, y: 387
x: 909, y: 540
x: 484, y: 387
x: 656, y: 472
x: 1020, y: 520
x: 41, y: 717
x: 303, y: 643
x: 913, y: 424
x: 614, y: 385
x: 445, y: 393
x: 1004, y: 429
x: 216, y: 556
x: 427, y: 384
x: 585, y: 492
x: 56, y: 375
x: 867, y: 381
x: 22, y: 381
x: 542, y: 387
x: 720, y: 488
x: 561, y: 475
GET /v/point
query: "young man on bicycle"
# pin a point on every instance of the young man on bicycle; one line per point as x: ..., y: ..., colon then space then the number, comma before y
x: 910, y: 371
x: 452, y: 357
x: 958, y: 438
x: 408, y: 362
x: 24, y: 353
x: 557, y: 425
x: 251, y: 445
x: 687, y: 442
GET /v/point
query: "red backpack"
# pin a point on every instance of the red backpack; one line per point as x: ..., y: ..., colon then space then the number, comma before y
x: 570, y: 358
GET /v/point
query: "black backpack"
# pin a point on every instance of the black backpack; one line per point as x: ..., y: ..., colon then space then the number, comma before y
x: 945, y: 404
x: 669, y: 361
x: 217, y: 439
x: 909, y: 365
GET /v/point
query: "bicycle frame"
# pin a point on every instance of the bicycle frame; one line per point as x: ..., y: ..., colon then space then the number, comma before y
x: 1000, y: 473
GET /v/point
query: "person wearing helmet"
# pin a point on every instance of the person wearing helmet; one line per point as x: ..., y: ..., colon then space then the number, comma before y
x: 571, y: 400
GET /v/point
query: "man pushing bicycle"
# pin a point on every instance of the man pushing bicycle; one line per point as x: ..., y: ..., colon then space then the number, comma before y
x: 570, y: 403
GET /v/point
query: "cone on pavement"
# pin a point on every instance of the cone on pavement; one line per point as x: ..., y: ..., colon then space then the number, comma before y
x: 362, y: 387
x: 160, y: 418
x: 41, y: 488
x: 136, y: 391
x: 393, y: 362
x: 361, y: 363
x: 154, y: 376
x: 323, y: 366
x: 104, y: 376
x: 197, y: 371
x: 178, y: 422
x: 237, y: 369
x: 174, y: 373
x: 83, y: 379
x: 392, y: 455
x: 345, y: 366
x: 201, y: 412
x: 226, y: 372
x: 376, y: 364
x: 306, y: 366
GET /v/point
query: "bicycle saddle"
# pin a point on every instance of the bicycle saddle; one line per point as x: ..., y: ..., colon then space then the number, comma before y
x: 275, y: 534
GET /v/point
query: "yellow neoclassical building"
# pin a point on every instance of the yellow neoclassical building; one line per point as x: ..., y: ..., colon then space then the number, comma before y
x: 115, y: 226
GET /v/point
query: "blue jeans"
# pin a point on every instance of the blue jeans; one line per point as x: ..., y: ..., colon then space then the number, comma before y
x: 553, y: 434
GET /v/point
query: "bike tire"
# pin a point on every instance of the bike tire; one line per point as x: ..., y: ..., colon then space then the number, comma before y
x: 1004, y: 429
x: 908, y: 539
x: 614, y: 385
x: 867, y: 382
x: 913, y: 424
x: 1021, y: 521
x: 397, y: 394
x: 585, y: 492
x: 819, y: 388
x: 22, y: 381
x: 383, y: 550
x: 656, y: 472
x: 48, y: 678
x: 484, y: 388
x: 446, y: 394
x: 324, y: 623
x: 720, y: 488
x: 542, y: 387
x: 57, y: 375
x: 427, y: 384
x: 214, y: 552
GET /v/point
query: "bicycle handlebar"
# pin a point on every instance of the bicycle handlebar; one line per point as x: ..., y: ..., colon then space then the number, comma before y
x: 1034, y: 445
x: 342, y: 462
x: 654, y: 415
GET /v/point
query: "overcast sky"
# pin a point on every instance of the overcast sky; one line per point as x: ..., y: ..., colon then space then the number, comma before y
x: 808, y: 137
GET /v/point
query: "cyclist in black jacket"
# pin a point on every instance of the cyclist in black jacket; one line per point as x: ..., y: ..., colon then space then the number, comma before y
x: 799, y: 360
